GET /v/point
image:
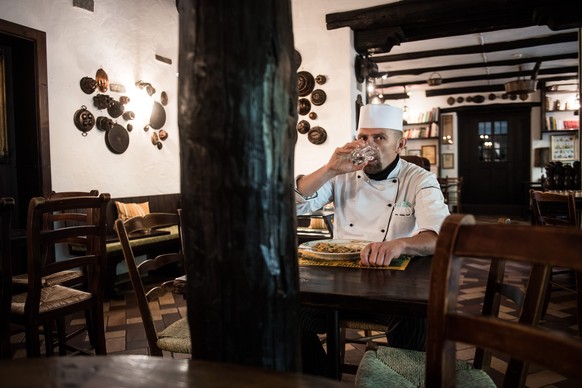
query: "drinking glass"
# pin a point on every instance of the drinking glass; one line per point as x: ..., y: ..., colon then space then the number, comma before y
x: 364, y: 154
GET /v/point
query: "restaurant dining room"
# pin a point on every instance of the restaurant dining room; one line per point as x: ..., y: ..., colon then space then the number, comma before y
x: 290, y: 193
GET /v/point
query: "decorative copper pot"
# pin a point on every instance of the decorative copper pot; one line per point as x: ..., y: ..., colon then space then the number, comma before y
x: 84, y: 120
x: 88, y: 85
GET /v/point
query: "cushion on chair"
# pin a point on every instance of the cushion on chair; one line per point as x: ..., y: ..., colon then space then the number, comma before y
x: 129, y: 210
x: 176, y: 337
x: 51, y: 298
x: 405, y: 368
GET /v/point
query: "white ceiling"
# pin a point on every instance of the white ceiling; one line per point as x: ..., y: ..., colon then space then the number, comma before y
x: 484, y: 58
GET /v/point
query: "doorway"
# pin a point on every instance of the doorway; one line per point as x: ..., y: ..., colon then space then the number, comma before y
x: 494, y: 159
x: 25, y: 168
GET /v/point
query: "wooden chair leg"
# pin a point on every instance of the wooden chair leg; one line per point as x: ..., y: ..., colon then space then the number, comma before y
x: 62, y: 335
x: 579, y: 301
x: 97, y: 327
x: 48, y: 339
x: 32, y: 341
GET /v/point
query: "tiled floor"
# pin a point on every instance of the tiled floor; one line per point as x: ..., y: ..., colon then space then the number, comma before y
x: 125, y: 334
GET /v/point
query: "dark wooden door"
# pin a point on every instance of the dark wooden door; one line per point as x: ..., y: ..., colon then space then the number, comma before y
x: 494, y: 159
x: 25, y: 170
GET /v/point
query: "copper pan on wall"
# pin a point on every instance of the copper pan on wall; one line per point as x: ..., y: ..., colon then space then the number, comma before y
x: 158, y: 116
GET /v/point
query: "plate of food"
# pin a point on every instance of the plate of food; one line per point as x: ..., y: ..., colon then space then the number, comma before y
x: 334, y: 249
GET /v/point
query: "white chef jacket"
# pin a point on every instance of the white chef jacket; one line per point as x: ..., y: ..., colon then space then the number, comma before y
x: 407, y: 202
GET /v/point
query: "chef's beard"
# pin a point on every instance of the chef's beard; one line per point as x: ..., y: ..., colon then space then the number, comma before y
x: 373, y: 167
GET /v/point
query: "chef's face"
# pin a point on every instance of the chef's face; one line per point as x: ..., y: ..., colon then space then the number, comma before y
x: 389, y: 141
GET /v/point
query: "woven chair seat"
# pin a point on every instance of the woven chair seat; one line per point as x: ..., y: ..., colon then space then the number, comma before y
x: 393, y: 367
x: 49, y: 280
x: 176, y: 337
x: 363, y: 325
x: 51, y: 298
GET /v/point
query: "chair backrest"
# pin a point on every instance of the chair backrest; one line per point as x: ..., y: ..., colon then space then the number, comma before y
x: 69, y: 217
x: 461, y: 238
x: 452, y: 188
x: 553, y: 209
x: 42, y: 239
x: 137, y: 273
x: 418, y: 160
x: 6, y: 211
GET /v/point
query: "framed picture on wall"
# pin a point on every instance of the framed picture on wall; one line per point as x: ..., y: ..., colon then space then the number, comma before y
x: 448, y: 161
x: 413, y: 152
x: 563, y: 147
x: 429, y: 152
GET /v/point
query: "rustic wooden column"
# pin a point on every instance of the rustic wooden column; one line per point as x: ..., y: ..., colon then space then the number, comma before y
x: 237, y: 115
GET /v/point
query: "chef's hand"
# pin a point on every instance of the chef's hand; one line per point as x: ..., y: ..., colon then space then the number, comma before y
x: 380, y: 254
x: 341, y: 163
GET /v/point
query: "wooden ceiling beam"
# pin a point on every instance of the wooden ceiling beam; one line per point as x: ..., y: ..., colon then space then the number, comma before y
x: 486, y: 77
x: 474, y: 65
x: 478, y: 49
x: 378, y: 29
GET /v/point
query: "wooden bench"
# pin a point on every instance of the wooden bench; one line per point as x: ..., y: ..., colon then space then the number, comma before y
x: 148, y: 244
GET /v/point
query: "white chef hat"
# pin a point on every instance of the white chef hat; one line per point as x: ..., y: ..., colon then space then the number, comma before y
x: 380, y: 116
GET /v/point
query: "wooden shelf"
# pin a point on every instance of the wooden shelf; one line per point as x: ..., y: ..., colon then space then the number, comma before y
x: 423, y: 138
x: 561, y: 131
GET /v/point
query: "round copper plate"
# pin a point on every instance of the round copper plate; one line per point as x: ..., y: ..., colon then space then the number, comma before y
x: 117, y: 139
x: 158, y: 116
x: 304, y: 106
x: 317, y: 135
x: 320, y: 79
x: 305, y: 83
x: 297, y: 59
x: 451, y: 100
x: 303, y: 127
x: 318, y: 97
x: 312, y: 115
x: 460, y: 99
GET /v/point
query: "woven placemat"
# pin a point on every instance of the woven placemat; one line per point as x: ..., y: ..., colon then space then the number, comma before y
x: 399, y: 264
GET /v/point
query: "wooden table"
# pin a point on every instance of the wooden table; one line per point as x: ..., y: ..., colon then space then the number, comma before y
x: 364, y: 290
x: 144, y: 371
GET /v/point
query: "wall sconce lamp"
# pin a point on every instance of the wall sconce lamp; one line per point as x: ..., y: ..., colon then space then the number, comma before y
x: 148, y: 87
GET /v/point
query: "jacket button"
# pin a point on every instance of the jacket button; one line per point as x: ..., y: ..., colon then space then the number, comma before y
x: 393, y: 180
x: 383, y: 231
x: 351, y: 224
x: 359, y: 176
x: 389, y: 205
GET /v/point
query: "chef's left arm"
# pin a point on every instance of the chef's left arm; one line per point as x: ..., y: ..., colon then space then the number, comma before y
x: 378, y: 254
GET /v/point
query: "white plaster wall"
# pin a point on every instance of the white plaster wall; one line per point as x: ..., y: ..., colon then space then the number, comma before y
x: 122, y: 37
x: 330, y: 53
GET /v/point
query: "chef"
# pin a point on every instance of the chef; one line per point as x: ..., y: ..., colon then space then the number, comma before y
x: 397, y: 205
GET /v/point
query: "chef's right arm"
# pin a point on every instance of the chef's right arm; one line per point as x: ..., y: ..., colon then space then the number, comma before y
x: 339, y: 163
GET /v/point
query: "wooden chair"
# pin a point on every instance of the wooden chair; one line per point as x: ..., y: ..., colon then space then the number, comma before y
x: 64, y: 218
x: 176, y: 337
x: 6, y: 211
x: 418, y: 160
x: 558, y: 210
x: 521, y: 340
x: 42, y: 303
x: 452, y: 188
